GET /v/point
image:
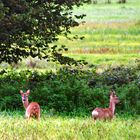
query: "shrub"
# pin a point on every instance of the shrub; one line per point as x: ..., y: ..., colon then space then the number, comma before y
x: 71, y: 89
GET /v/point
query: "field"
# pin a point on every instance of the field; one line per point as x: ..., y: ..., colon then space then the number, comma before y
x: 14, y: 127
x: 111, y: 34
x: 111, y: 38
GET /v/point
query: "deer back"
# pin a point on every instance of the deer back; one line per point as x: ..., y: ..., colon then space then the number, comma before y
x: 102, y: 113
x: 33, y: 110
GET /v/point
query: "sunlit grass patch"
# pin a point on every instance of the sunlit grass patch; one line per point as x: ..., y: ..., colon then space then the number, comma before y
x: 102, y: 12
x: 105, y: 43
x: 58, y: 128
x: 107, y: 59
x: 105, y: 38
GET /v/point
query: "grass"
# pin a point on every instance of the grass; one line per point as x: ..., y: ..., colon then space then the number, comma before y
x: 15, y: 127
x: 107, y: 59
x: 113, y: 43
x: 102, y: 12
x: 111, y: 34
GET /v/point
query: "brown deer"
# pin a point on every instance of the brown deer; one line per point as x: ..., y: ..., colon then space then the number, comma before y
x: 32, y: 109
x: 106, y: 113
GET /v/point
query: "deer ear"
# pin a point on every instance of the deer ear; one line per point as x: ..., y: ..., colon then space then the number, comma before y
x: 21, y: 92
x: 28, y: 91
x: 110, y: 92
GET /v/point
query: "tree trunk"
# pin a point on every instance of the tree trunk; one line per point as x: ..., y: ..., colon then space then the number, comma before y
x: 94, y: 1
x: 122, y: 1
x: 109, y: 1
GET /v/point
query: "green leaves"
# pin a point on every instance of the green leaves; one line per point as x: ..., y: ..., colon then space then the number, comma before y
x: 70, y: 89
x: 31, y: 26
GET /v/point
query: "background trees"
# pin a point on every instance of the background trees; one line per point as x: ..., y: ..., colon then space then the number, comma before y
x: 122, y: 1
x: 107, y: 1
x: 28, y: 27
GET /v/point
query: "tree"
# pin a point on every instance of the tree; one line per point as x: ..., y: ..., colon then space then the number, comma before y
x: 94, y: 1
x: 108, y: 1
x: 28, y: 27
x: 122, y: 1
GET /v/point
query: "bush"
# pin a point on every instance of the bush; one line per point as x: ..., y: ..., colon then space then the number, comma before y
x: 69, y: 89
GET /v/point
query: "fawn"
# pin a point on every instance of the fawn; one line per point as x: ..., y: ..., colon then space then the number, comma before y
x: 32, y: 109
x: 106, y: 113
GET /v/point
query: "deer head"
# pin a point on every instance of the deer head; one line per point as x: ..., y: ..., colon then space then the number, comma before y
x: 113, y: 97
x: 24, y: 96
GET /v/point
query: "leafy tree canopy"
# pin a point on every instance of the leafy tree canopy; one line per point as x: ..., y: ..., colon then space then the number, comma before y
x: 28, y: 27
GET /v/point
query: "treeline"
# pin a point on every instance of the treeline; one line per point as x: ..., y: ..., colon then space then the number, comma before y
x: 108, y: 1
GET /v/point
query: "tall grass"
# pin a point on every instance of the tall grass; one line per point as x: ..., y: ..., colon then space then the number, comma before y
x: 15, y: 127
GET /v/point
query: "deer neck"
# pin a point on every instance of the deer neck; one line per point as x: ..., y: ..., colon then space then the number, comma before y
x: 112, y: 106
x: 26, y: 103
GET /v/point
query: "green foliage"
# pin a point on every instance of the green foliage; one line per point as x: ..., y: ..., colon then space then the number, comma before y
x: 119, y: 75
x: 71, y: 89
x: 130, y: 96
x: 29, y: 27
x: 8, y: 99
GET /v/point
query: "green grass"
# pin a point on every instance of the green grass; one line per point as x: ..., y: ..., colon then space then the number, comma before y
x: 111, y: 12
x: 15, y: 127
x: 107, y: 59
x: 111, y: 34
x: 105, y: 44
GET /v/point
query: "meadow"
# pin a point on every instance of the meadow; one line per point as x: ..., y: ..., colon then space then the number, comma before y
x: 111, y: 34
x: 15, y: 127
x: 111, y: 38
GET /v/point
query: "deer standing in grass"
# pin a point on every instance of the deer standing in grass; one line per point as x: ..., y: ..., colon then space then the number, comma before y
x: 32, y: 109
x: 106, y: 113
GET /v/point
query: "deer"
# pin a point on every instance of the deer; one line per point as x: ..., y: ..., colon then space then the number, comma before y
x: 106, y: 113
x: 32, y: 109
